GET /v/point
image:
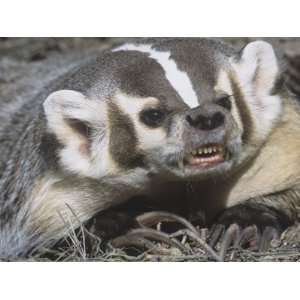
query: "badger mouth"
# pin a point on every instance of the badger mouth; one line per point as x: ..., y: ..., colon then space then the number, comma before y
x: 206, y: 156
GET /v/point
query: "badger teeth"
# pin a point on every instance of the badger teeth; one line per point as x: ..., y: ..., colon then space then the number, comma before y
x: 217, y: 149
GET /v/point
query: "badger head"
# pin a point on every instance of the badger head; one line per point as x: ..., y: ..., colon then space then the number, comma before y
x: 186, y: 108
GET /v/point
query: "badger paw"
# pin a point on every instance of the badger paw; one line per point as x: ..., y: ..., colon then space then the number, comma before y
x: 254, y: 214
x: 253, y: 226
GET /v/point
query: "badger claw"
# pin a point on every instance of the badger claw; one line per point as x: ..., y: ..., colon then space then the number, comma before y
x: 269, y: 234
x: 151, y: 218
x: 259, y: 225
x: 232, y: 234
x: 125, y: 241
x: 237, y: 237
x: 159, y: 237
x: 248, y: 236
x: 145, y: 236
x: 216, y: 234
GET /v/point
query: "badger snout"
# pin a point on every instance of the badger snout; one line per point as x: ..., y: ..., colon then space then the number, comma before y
x: 205, y: 136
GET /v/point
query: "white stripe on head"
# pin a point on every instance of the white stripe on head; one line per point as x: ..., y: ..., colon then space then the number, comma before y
x: 179, y: 80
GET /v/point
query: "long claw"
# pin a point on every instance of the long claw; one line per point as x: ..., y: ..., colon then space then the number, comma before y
x: 231, y: 235
x: 249, y: 235
x: 126, y: 241
x: 216, y: 233
x: 141, y: 237
x: 158, y: 236
x: 139, y: 243
x: 151, y: 218
x: 269, y: 234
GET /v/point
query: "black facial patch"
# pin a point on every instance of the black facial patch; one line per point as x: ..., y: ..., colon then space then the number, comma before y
x: 244, y: 111
x: 123, y: 140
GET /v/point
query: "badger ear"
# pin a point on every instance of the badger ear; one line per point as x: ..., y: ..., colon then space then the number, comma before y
x: 71, y: 116
x: 257, y: 66
x: 79, y: 124
x: 256, y: 70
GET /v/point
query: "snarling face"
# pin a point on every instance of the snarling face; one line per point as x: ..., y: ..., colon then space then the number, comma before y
x: 188, y: 109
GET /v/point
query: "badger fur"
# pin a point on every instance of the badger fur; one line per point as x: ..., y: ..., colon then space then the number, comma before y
x: 146, y: 118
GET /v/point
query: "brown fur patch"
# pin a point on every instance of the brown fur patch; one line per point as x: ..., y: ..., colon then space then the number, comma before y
x: 123, y: 140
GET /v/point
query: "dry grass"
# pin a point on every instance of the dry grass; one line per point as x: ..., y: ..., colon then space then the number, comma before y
x: 83, y: 246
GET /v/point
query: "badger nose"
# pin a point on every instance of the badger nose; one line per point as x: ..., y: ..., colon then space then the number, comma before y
x: 206, y: 122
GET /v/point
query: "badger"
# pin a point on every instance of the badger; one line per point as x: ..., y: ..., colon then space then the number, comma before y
x: 179, y: 121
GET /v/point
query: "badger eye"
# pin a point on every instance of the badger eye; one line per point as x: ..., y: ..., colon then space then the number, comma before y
x: 152, y: 117
x: 224, y: 101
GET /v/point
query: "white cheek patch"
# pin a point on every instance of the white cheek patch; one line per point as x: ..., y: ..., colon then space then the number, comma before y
x: 178, y: 79
x: 147, y: 137
x: 101, y: 159
x: 96, y: 164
